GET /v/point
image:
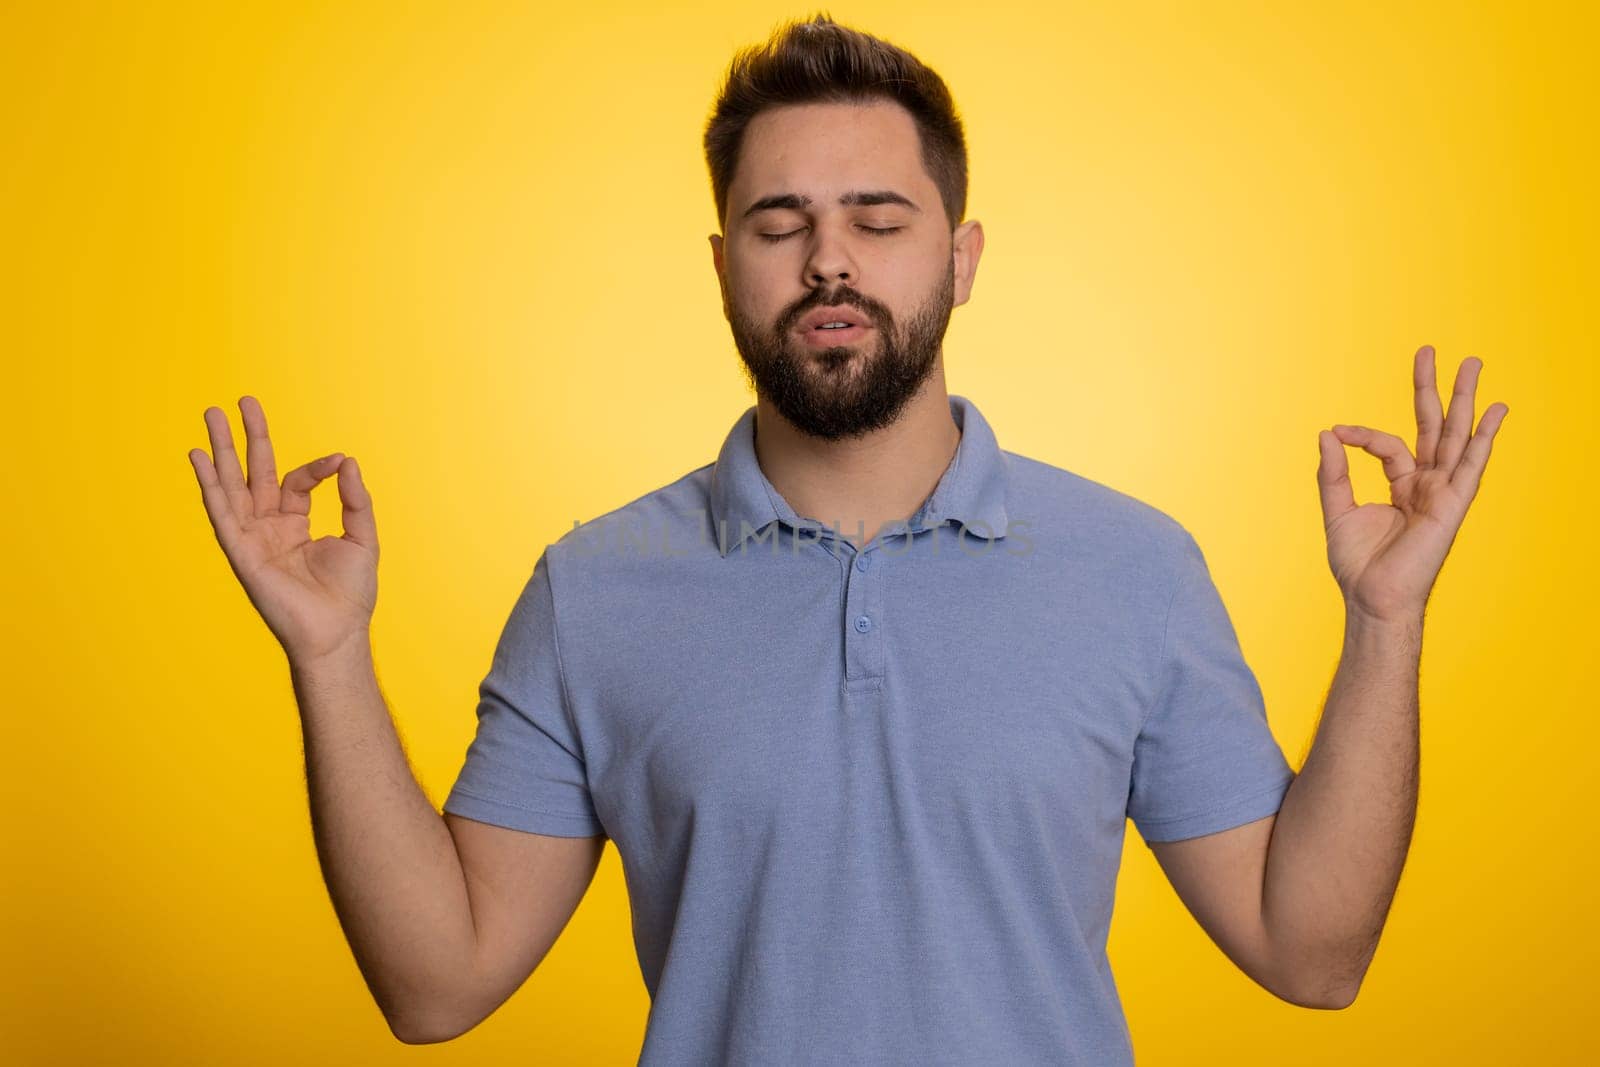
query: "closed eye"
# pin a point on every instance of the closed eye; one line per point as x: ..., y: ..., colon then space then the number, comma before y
x: 881, y: 231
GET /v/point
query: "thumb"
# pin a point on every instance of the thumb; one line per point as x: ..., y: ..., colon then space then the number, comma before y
x: 1333, y: 478
x: 359, y: 525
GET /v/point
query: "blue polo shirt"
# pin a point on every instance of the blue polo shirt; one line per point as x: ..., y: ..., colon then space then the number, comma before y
x: 870, y: 805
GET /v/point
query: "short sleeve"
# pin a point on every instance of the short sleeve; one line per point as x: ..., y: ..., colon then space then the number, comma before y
x: 1205, y: 759
x: 524, y: 768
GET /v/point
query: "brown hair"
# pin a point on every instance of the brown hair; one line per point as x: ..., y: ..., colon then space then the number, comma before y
x: 820, y: 61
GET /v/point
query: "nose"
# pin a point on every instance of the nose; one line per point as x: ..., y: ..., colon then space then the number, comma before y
x: 829, y: 262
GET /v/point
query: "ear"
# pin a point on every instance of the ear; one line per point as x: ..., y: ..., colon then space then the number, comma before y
x: 720, y: 265
x: 966, y: 245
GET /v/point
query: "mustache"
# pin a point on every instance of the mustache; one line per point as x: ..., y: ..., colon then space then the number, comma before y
x: 842, y: 298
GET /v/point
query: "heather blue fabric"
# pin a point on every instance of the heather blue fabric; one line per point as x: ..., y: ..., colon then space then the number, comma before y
x: 870, y: 807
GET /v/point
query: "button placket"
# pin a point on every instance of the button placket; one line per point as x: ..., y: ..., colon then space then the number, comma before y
x: 863, y: 621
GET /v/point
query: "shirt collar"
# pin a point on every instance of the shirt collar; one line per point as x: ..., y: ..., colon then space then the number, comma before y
x: 971, y: 493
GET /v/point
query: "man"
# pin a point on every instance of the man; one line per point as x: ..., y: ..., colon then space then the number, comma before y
x: 866, y: 703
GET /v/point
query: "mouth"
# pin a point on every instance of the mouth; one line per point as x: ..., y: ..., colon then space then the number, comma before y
x: 826, y: 337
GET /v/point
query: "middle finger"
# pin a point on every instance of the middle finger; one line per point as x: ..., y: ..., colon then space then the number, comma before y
x: 258, y: 456
x: 1426, y: 401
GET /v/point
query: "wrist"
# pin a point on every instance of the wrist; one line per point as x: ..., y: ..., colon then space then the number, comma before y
x: 1364, y: 630
x: 349, y: 659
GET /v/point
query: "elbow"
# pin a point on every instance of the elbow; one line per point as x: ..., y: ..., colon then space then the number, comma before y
x: 442, y: 1013
x: 433, y: 1027
x: 407, y: 1034
x: 1322, y: 991
x: 414, y: 1030
x: 1324, y: 1000
x: 1326, y: 979
x: 1344, y: 999
x: 427, y: 1016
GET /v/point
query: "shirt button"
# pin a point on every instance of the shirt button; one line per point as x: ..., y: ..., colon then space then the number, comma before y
x: 862, y: 562
x: 863, y: 623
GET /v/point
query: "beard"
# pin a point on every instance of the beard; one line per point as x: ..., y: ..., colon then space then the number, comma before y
x: 845, y: 390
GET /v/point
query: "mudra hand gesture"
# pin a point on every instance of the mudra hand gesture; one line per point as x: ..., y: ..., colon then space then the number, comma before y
x: 317, y: 597
x: 1385, y: 557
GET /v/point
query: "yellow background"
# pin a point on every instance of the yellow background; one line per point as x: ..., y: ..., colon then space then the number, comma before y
x: 467, y: 244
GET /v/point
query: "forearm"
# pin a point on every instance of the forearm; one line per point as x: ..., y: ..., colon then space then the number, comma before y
x: 387, y: 856
x: 1341, y: 835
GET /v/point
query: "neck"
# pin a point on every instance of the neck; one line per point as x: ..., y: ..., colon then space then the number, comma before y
x: 861, y: 484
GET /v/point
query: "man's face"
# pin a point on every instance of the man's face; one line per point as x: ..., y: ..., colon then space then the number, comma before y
x: 792, y: 249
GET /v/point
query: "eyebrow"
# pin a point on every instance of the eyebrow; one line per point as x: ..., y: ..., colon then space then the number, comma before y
x: 865, y: 198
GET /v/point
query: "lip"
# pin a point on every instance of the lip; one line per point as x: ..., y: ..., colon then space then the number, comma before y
x: 813, y: 319
x: 830, y: 338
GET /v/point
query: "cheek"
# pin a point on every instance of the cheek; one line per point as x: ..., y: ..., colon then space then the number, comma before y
x: 755, y: 311
x: 758, y: 297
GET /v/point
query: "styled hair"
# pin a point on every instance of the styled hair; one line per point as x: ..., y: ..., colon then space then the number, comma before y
x: 820, y: 61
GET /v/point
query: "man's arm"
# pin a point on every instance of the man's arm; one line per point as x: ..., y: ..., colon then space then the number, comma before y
x: 392, y: 871
x: 389, y: 860
x: 446, y: 917
x: 1344, y: 828
x: 1298, y: 900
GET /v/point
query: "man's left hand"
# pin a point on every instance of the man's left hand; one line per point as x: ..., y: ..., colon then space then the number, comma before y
x: 1385, y: 557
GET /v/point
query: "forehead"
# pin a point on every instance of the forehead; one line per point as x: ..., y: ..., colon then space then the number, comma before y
x: 816, y: 148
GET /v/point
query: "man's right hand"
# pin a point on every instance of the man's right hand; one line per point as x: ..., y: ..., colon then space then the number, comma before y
x: 315, y: 596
